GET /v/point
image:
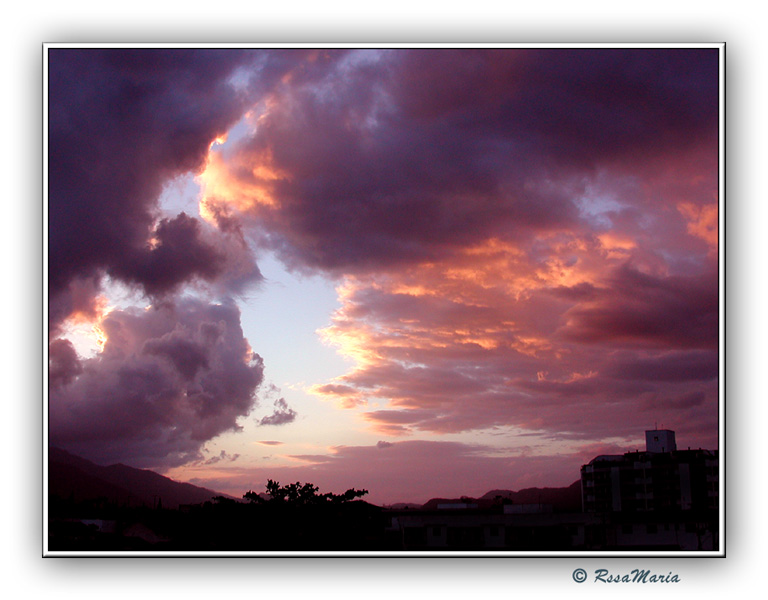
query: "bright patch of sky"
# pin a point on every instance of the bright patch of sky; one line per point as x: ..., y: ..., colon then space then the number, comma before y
x: 596, y: 208
x: 600, y: 198
x: 280, y: 320
x: 281, y: 317
x: 86, y: 336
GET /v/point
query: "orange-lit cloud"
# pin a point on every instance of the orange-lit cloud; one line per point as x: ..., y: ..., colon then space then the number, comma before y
x: 167, y: 380
x: 253, y: 186
x: 702, y: 221
x: 518, y: 342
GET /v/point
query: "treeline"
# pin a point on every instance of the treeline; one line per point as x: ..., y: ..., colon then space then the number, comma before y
x: 295, y: 517
x: 300, y: 494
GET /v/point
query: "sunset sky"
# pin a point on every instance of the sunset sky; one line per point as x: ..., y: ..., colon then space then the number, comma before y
x: 422, y: 272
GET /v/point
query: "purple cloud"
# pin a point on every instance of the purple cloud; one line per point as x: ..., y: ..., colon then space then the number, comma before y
x: 414, y: 153
x: 122, y: 123
x: 281, y: 415
x: 169, y: 379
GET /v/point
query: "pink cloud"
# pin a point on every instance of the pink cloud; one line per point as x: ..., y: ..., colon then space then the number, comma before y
x: 169, y: 379
x: 452, y: 354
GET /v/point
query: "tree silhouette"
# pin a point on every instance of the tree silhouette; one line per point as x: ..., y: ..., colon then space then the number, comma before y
x: 253, y: 497
x: 301, y: 494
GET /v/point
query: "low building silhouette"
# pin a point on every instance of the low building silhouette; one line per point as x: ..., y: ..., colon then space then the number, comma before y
x: 659, y: 499
x: 660, y: 479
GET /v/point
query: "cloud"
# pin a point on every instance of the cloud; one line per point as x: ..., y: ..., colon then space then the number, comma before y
x: 223, y: 456
x: 507, y: 344
x: 179, y: 253
x: 503, y: 242
x: 678, y: 311
x: 504, y: 226
x: 376, y: 159
x: 680, y: 366
x: 281, y: 415
x: 122, y: 123
x: 63, y: 363
x: 169, y: 379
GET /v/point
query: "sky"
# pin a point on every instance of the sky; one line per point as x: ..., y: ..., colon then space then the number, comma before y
x: 421, y: 272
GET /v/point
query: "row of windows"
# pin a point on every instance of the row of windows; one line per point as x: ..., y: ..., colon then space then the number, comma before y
x: 631, y: 528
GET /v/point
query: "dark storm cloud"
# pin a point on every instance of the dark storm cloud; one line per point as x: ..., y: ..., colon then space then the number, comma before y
x: 670, y: 367
x: 588, y: 106
x: 63, y: 363
x: 178, y: 256
x: 122, y: 122
x: 168, y: 379
x: 642, y: 308
x: 399, y: 156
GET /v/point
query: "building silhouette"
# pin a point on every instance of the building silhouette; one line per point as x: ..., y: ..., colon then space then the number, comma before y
x: 659, y: 499
x: 661, y: 479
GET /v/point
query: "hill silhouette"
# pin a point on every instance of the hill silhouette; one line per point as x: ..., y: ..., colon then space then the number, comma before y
x: 563, y: 499
x: 73, y: 477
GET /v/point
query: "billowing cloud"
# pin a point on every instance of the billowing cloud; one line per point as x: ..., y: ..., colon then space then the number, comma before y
x: 388, y: 157
x: 168, y: 379
x: 506, y: 223
x: 121, y: 124
x: 520, y: 233
x: 63, y: 363
x: 457, y: 354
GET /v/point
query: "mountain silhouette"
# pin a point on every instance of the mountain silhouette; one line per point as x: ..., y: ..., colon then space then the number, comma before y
x: 73, y: 477
x: 563, y: 499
